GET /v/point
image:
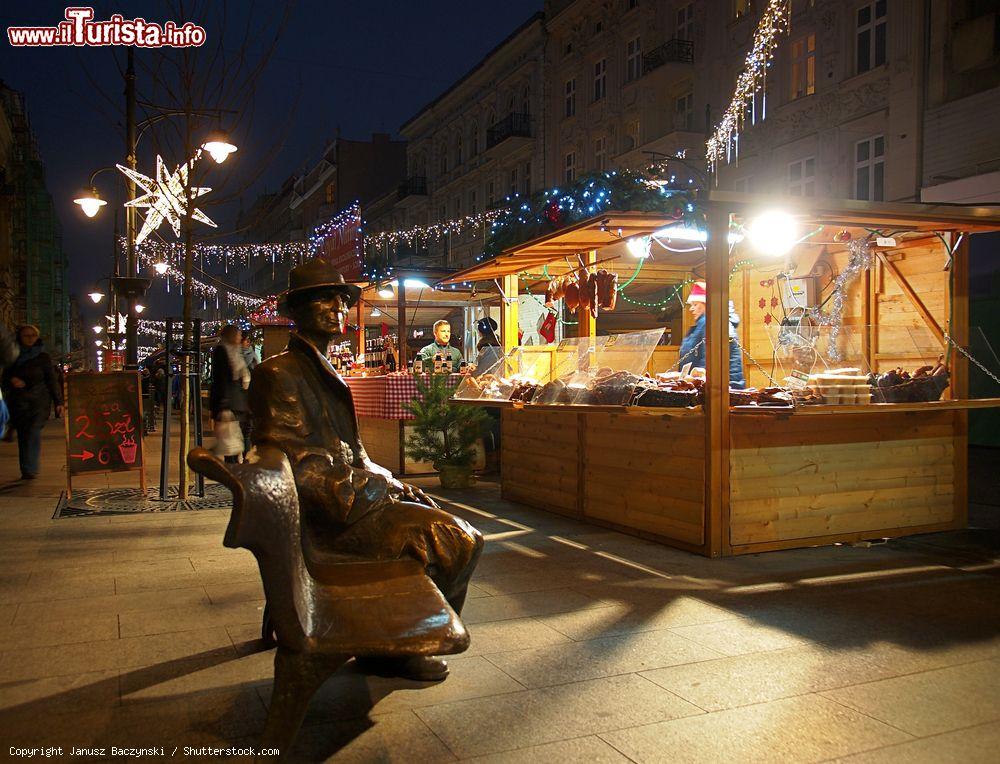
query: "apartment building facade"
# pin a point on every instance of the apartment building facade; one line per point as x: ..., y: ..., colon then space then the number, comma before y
x: 477, y: 144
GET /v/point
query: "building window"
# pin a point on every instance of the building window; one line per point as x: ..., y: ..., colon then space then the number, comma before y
x: 330, y: 188
x: 598, y: 27
x: 512, y: 185
x: 490, y: 193
x: 443, y: 154
x: 567, y: 49
x: 600, y: 79
x: 804, y: 66
x: 474, y: 139
x: 472, y: 202
x: 631, y: 135
x: 633, y: 59
x: 870, y: 38
x: 684, y: 111
x: 742, y: 8
x: 458, y: 207
x: 526, y: 100
x: 743, y: 185
x: 802, y: 177
x: 869, y: 169
x: 570, y: 109
x: 600, y: 154
x: 527, y: 178
x: 684, y: 30
x: 570, y: 174
x: 458, y: 149
x: 631, y: 4
x: 442, y: 213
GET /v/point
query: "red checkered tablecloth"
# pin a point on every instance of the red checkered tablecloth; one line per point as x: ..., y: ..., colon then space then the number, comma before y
x: 383, y: 397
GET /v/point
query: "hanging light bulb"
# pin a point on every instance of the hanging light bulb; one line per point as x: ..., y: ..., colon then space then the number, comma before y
x: 773, y: 233
x: 161, y: 267
x: 639, y: 247
x: 139, y: 307
x: 96, y: 296
x: 385, y: 292
x: 90, y: 202
x: 376, y: 312
x: 98, y: 329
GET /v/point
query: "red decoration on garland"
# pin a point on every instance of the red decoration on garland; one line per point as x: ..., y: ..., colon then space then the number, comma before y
x: 552, y: 212
x: 843, y: 236
x: 677, y: 213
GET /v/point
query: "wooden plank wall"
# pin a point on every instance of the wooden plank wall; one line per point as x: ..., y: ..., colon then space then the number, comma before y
x: 539, y: 459
x: 381, y: 440
x: 869, y: 474
x: 646, y: 473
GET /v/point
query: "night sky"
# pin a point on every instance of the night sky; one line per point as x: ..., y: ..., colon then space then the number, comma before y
x: 361, y: 66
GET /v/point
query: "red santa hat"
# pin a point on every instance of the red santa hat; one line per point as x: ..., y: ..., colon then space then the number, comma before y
x: 697, y: 292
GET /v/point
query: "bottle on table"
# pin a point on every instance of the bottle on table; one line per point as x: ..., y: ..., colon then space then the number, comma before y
x: 418, y: 365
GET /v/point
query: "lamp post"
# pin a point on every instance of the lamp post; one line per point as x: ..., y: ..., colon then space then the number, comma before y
x: 130, y: 287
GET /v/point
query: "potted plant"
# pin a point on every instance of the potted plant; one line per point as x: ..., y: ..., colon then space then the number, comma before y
x: 444, y: 434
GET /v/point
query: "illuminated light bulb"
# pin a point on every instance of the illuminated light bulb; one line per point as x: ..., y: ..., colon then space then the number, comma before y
x: 412, y: 284
x: 161, y: 267
x: 96, y: 296
x: 385, y: 292
x: 639, y: 247
x: 99, y: 343
x: 98, y: 329
x: 773, y: 233
x: 139, y: 307
x: 219, y: 149
x: 91, y: 204
x: 376, y: 312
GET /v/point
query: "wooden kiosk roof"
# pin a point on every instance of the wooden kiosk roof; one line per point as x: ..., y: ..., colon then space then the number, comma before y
x: 612, y: 228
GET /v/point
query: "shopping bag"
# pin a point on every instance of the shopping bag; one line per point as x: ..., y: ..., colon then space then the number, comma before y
x: 547, y: 329
x: 228, y: 436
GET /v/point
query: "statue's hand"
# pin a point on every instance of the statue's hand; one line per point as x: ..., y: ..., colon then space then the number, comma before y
x: 414, y: 494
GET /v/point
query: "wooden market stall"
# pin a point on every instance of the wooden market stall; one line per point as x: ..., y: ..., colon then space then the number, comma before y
x: 378, y: 393
x: 721, y: 480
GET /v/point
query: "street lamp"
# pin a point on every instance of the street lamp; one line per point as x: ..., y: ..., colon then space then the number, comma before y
x: 139, y: 307
x: 96, y: 296
x: 98, y: 329
x: 219, y: 146
x: 161, y: 267
x: 91, y: 202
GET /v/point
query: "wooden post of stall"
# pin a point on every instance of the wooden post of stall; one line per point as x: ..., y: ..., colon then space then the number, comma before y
x: 401, y: 321
x: 361, y: 330
x: 958, y: 330
x: 509, y: 326
x: 717, y: 382
x: 586, y: 322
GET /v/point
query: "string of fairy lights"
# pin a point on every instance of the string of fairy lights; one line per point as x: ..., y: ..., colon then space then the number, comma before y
x: 725, y: 141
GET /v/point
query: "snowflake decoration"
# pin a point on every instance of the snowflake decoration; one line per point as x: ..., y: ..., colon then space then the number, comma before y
x: 164, y: 197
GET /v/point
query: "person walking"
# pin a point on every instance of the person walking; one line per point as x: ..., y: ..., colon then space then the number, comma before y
x: 29, y: 384
x: 249, y: 354
x: 227, y: 400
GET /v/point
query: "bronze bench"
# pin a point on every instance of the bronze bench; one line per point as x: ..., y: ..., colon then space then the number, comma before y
x: 322, y: 610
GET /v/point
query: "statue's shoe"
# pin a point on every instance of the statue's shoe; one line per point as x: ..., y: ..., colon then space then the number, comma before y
x: 419, y: 668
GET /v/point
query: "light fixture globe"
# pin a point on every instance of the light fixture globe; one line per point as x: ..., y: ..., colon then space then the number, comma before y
x: 96, y: 296
x: 773, y: 233
x: 98, y: 329
x: 139, y: 307
x: 161, y: 267
x: 90, y: 202
x: 376, y: 313
x: 385, y: 292
x: 219, y: 147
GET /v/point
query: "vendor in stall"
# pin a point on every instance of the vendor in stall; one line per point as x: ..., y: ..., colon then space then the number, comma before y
x: 442, y: 336
x: 692, y: 349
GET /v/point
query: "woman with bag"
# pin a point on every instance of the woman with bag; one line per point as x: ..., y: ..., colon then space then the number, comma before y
x: 30, y: 389
x: 227, y: 400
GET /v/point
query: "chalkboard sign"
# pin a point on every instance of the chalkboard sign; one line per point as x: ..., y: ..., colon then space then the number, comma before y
x: 103, y: 422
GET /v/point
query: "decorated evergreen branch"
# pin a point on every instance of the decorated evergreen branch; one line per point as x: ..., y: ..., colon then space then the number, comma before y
x: 590, y: 195
x: 444, y: 435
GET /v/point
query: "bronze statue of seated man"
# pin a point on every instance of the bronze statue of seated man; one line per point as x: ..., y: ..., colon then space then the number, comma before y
x: 349, y: 505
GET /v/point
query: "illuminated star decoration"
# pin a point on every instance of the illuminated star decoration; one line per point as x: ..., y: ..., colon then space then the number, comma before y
x: 164, y: 197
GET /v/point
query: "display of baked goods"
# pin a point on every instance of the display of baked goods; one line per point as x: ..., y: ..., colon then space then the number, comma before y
x: 897, y: 386
x: 846, y: 386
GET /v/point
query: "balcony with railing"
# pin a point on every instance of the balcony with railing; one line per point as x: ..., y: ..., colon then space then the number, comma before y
x: 514, y: 126
x: 414, y: 186
x: 673, y: 51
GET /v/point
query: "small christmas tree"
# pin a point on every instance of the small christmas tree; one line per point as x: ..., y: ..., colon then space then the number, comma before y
x: 444, y: 435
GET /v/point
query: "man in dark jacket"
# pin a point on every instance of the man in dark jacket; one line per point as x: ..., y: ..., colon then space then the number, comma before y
x: 30, y: 388
x: 227, y: 399
x: 692, y: 350
x: 349, y: 504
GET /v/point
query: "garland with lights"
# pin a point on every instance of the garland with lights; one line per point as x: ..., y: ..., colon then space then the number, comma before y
x: 589, y: 195
x: 724, y: 143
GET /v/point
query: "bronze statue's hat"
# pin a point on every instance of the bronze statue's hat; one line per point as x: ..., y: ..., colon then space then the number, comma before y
x: 316, y: 275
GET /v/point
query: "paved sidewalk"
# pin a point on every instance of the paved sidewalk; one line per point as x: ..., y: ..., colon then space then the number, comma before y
x: 588, y: 645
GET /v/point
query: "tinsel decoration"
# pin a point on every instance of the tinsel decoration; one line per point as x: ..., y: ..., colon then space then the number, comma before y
x: 724, y: 143
x: 861, y: 260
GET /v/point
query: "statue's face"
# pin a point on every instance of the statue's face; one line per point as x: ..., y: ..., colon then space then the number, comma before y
x: 325, y: 313
x: 443, y: 334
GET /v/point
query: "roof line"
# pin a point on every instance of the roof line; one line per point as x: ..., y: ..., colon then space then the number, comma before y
x: 540, y: 15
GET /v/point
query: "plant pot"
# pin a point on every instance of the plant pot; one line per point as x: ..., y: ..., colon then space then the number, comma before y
x: 453, y: 476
